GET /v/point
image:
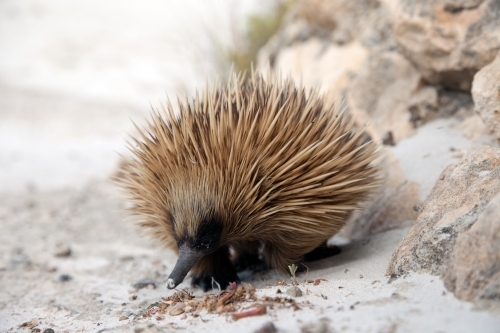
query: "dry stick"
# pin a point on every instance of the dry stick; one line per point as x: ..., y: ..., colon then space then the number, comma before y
x: 258, y: 311
x: 224, y: 299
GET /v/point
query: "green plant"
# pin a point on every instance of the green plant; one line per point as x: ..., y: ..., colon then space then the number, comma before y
x: 293, y: 269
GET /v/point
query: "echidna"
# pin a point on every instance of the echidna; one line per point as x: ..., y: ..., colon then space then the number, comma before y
x: 256, y: 166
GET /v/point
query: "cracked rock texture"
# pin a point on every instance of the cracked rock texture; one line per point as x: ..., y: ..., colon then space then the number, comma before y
x: 486, y: 94
x: 448, y: 42
x: 459, y: 198
x: 473, y: 273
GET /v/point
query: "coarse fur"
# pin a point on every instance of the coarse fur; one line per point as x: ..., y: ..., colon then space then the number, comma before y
x: 258, y: 163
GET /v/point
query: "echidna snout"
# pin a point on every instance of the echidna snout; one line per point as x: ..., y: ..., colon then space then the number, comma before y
x: 188, y: 257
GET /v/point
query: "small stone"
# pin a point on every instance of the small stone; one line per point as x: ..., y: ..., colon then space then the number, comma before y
x: 267, y: 328
x: 388, y: 139
x: 133, y: 297
x: 294, y: 292
x: 36, y: 330
x: 144, y: 283
x: 29, y: 324
x: 176, y: 312
x: 65, y: 278
x: 189, y: 309
x: 319, y: 326
x: 192, y: 303
x: 48, y: 330
x: 123, y: 318
x: 62, y: 251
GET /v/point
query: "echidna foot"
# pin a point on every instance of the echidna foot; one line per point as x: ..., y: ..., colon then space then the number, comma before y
x: 250, y: 261
x: 214, y: 270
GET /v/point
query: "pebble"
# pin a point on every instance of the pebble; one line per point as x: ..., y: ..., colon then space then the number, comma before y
x: 64, y: 278
x: 143, y: 283
x: 294, y: 292
x: 62, y: 251
x: 267, y: 328
x: 176, y: 312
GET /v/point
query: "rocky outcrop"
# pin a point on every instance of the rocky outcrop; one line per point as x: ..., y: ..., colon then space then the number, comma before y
x: 457, y: 201
x: 448, y: 41
x: 354, y: 49
x: 486, y: 94
x: 392, y: 205
x: 473, y: 272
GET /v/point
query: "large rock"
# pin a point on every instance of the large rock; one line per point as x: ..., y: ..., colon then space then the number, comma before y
x: 454, y: 205
x: 331, y: 22
x: 486, y: 94
x: 348, y: 49
x: 380, y: 91
x: 448, y: 41
x: 473, y: 273
x: 389, y: 208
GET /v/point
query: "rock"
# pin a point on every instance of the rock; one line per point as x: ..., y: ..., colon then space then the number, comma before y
x: 323, y: 44
x: 144, y: 283
x: 65, y: 278
x: 320, y: 64
x: 380, y: 85
x: 473, y: 273
x: 319, y: 326
x: 431, y: 102
x: 62, y: 250
x: 456, y: 5
x: 486, y: 94
x: 29, y: 324
x: 457, y: 200
x: 477, y: 132
x: 390, y: 207
x: 447, y: 44
x: 147, y: 328
x: 294, y: 291
x: 331, y: 23
x: 379, y: 94
x: 267, y: 328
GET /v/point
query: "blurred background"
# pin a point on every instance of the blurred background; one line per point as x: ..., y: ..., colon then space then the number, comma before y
x: 73, y: 74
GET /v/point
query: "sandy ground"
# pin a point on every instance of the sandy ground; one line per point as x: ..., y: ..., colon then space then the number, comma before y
x: 108, y: 256
x: 62, y: 123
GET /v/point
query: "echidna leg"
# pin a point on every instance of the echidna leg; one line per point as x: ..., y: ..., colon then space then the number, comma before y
x: 216, y: 267
x: 321, y: 252
x: 246, y: 256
